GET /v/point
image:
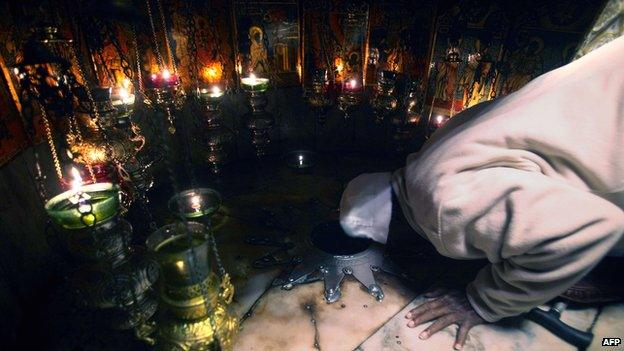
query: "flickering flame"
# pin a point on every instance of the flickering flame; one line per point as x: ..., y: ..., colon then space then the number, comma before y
x: 76, y: 182
x: 126, y: 83
x: 213, y: 72
x: 124, y: 94
x: 239, y: 67
x: 154, y: 76
x: 353, y: 83
x: 300, y: 160
x: 166, y: 74
x: 252, y: 76
x: 180, y: 265
x: 439, y: 119
x: 126, y: 97
x: 196, y: 203
x: 339, y: 65
x: 216, y: 90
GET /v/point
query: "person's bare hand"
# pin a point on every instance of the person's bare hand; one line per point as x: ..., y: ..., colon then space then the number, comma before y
x: 446, y: 307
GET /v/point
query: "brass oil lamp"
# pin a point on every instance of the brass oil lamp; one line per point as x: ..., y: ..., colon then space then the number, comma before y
x: 195, y: 297
x: 217, y: 140
x: 258, y: 121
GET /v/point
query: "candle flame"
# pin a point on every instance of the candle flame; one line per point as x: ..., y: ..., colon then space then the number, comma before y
x: 166, y: 74
x: 154, y: 76
x: 126, y: 83
x: 252, y: 76
x: 196, y: 203
x: 353, y: 83
x: 76, y: 182
x: 124, y: 93
x: 216, y: 90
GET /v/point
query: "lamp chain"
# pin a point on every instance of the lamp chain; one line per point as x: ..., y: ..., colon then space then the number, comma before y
x: 49, y: 137
x: 167, y: 43
x: 139, y: 74
x: 151, y: 19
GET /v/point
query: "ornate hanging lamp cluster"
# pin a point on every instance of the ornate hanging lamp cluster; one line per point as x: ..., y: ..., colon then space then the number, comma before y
x: 111, y: 277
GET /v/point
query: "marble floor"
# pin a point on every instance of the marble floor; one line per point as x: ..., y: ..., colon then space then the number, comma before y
x: 300, y: 319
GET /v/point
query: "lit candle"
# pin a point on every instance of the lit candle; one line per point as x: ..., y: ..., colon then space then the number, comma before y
x: 440, y: 120
x: 300, y: 160
x: 123, y: 97
x: 255, y: 84
x: 213, y: 94
x: 194, y: 203
x: 83, y: 205
x: 163, y: 79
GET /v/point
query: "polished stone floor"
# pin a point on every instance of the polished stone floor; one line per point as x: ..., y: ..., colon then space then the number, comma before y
x: 269, y: 200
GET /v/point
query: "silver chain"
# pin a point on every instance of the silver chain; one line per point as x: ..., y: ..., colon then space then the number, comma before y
x: 151, y: 18
x: 166, y: 32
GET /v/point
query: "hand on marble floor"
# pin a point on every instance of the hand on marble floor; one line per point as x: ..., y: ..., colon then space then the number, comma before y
x: 445, y: 308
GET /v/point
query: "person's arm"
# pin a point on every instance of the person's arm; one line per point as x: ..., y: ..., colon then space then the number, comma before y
x: 540, y: 235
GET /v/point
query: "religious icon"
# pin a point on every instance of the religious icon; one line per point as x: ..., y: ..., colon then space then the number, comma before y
x: 268, y: 40
x: 257, y: 51
x: 336, y: 39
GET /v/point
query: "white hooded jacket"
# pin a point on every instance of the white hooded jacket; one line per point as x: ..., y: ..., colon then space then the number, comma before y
x: 534, y: 182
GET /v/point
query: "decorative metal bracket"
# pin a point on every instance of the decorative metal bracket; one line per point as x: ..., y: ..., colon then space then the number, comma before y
x: 328, y: 259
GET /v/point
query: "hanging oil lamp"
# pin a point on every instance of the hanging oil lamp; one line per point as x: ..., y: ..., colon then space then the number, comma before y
x: 218, y: 140
x: 195, y: 312
x: 110, y: 278
x: 351, y: 96
x: 318, y: 95
x: 407, y: 121
x: 258, y: 121
x: 164, y: 89
x: 384, y: 102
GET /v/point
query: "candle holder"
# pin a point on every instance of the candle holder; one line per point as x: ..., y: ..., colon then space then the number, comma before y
x: 112, y: 278
x: 405, y: 124
x: 218, y: 141
x: 195, y: 313
x: 437, y: 122
x: 384, y: 102
x: 164, y: 89
x: 301, y: 161
x: 259, y: 122
x: 318, y: 95
x: 195, y: 203
x: 78, y: 209
x: 350, y: 97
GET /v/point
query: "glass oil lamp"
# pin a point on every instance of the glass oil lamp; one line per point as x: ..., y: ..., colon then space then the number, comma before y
x: 258, y: 121
x: 108, y: 277
x: 164, y: 89
x: 384, y: 102
x: 351, y: 96
x: 195, y: 203
x: 45, y: 72
x: 83, y: 205
x: 318, y: 95
x: 301, y: 160
x: 123, y: 101
x: 165, y: 92
x: 218, y: 140
x: 437, y: 121
x: 195, y: 301
x: 406, y: 122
